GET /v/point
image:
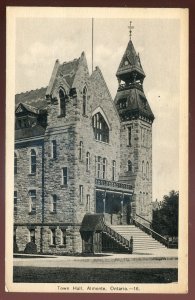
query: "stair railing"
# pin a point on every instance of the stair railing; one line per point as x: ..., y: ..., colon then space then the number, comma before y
x: 152, y: 233
x: 125, y: 242
x: 149, y: 223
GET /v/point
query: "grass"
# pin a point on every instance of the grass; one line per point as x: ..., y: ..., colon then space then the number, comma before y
x: 84, y: 275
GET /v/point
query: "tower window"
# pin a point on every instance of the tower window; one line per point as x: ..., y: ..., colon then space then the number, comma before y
x: 147, y: 170
x: 81, y: 193
x: 54, y: 149
x: 113, y: 170
x: 15, y: 163
x: 80, y: 151
x: 62, y: 103
x: 88, y: 202
x: 53, y: 204
x: 100, y: 128
x: 129, y: 166
x: 129, y: 136
x: 15, y: 201
x: 32, y: 204
x: 32, y: 235
x: 123, y: 103
x: 143, y: 169
x: 84, y: 100
x: 87, y: 161
x: 33, y: 161
x: 53, y: 236
x: 64, y: 176
x: 104, y: 168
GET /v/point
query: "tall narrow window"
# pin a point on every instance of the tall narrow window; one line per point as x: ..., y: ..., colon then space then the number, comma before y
x: 88, y: 161
x: 53, y: 236
x: 100, y: 128
x: 63, y: 237
x: 80, y: 150
x: 88, y: 202
x: 129, y: 136
x: 14, y: 234
x: 33, y: 161
x: 53, y: 204
x: 54, y: 149
x: 143, y: 170
x: 104, y: 168
x: 84, y: 100
x: 65, y: 176
x: 15, y: 201
x: 32, y: 204
x: 81, y: 193
x: 147, y: 170
x: 15, y: 163
x: 129, y: 166
x: 98, y: 166
x: 62, y: 103
x: 32, y: 235
x: 113, y: 170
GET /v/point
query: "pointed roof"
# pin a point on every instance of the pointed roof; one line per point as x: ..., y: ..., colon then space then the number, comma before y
x: 130, y: 62
x: 68, y: 70
x: 137, y: 105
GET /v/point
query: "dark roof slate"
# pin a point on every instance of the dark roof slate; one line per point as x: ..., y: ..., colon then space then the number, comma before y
x: 35, y: 98
x: 134, y: 61
x: 29, y: 132
x: 68, y: 70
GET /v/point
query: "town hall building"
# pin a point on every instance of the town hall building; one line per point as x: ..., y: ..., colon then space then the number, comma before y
x: 83, y: 161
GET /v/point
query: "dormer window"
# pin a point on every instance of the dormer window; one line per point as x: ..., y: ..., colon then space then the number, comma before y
x: 62, y: 103
x: 100, y: 128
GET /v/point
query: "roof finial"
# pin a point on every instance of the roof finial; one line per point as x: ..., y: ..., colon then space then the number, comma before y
x: 130, y: 29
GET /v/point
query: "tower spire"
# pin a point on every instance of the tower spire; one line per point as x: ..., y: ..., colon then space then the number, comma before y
x: 130, y: 29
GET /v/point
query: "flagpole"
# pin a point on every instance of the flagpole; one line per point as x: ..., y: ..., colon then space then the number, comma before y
x: 92, y: 46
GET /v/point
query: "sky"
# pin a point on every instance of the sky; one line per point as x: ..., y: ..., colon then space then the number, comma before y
x: 40, y: 41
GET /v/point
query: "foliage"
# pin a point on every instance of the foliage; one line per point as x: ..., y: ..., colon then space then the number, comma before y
x: 165, y: 219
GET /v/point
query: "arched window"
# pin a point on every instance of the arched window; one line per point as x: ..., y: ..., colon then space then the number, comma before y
x: 87, y: 161
x: 129, y: 166
x: 143, y: 167
x: 62, y: 103
x: 147, y: 170
x: 84, y: 100
x: 33, y: 161
x: 15, y: 163
x: 100, y: 128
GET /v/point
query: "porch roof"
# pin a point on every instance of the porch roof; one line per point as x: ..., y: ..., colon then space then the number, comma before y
x: 92, y: 223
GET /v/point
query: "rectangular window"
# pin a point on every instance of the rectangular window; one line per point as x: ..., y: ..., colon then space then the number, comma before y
x: 65, y: 176
x: 87, y: 161
x: 14, y: 235
x: 54, y: 149
x: 32, y: 204
x: 104, y: 168
x: 15, y: 201
x: 32, y: 235
x: 88, y: 202
x: 129, y: 136
x: 113, y: 170
x: 81, y: 193
x: 98, y: 166
x: 80, y: 151
x: 54, y: 203
x: 53, y: 236
x: 63, y: 237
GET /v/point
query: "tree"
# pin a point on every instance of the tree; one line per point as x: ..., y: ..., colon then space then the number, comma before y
x: 165, y: 219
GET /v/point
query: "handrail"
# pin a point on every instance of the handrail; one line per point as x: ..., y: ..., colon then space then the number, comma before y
x: 153, y: 233
x: 116, y: 184
x: 119, y: 237
x: 143, y: 219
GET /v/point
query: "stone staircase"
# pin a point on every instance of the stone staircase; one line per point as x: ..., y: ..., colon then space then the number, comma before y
x: 141, y: 240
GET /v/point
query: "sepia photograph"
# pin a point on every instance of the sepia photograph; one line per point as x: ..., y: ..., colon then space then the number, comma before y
x: 97, y: 143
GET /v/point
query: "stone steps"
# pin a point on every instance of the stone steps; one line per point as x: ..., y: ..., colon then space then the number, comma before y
x: 141, y: 240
